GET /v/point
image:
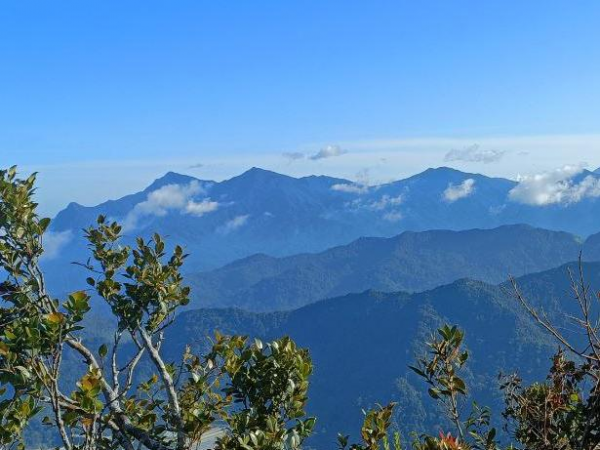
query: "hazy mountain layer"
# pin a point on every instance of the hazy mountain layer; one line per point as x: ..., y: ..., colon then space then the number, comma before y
x: 361, y: 344
x: 265, y: 212
x: 411, y: 261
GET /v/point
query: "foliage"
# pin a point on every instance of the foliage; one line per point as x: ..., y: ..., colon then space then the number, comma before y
x: 270, y: 383
x: 374, y: 431
x: 441, y: 370
x: 256, y: 392
x: 564, y: 411
x: 548, y: 415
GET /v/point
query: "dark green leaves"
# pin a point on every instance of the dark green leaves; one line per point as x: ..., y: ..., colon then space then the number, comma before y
x: 269, y: 382
x: 374, y: 431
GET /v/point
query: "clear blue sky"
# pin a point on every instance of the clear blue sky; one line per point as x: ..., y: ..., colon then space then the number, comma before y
x: 167, y: 84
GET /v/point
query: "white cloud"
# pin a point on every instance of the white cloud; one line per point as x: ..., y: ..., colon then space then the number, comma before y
x: 352, y: 188
x: 201, y: 208
x: 462, y: 190
x: 495, y: 210
x: 328, y: 152
x: 393, y: 216
x: 171, y: 197
x: 555, y: 187
x: 474, y: 153
x: 54, y: 241
x: 386, y: 201
x: 360, y: 186
x: 234, y: 224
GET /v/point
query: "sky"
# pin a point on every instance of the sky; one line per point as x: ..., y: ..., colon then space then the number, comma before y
x: 102, y: 97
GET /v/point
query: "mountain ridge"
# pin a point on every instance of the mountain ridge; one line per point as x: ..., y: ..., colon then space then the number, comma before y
x: 362, y: 343
x: 261, y: 211
x: 411, y: 261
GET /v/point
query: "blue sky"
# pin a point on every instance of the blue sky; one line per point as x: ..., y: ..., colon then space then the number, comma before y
x: 103, y: 96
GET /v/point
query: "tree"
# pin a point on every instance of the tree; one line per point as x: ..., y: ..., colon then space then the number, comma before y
x: 564, y: 411
x: 441, y: 369
x: 255, y: 392
x: 560, y: 413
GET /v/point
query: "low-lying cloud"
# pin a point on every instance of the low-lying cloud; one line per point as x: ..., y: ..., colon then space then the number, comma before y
x: 555, y: 187
x: 386, y: 201
x: 386, y: 204
x: 234, y: 224
x: 393, y: 216
x: 328, y: 152
x: 171, y: 197
x: 200, y: 208
x: 456, y: 192
x: 54, y: 242
x: 474, y: 153
x: 351, y: 188
x: 362, y: 185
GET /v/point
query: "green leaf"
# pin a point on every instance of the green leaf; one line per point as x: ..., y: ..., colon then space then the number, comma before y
x: 55, y: 318
x: 433, y: 393
x: 43, y: 224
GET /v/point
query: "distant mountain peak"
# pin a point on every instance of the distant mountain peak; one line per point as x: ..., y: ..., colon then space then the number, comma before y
x: 174, y: 177
x: 597, y: 170
x: 260, y: 172
x: 442, y: 176
x: 442, y: 171
x: 439, y: 174
x: 74, y: 205
x: 170, y: 178
x: 256, y: 174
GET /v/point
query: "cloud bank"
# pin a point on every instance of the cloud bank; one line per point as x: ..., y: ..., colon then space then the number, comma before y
x: 171, y: 197
x: 462, y: 190
x: 555, y: 187
x: 474, y: 153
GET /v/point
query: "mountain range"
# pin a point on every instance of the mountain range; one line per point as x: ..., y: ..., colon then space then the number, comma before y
x: 409, y: 262
x: 265, y: 212
x: 361, y: 344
